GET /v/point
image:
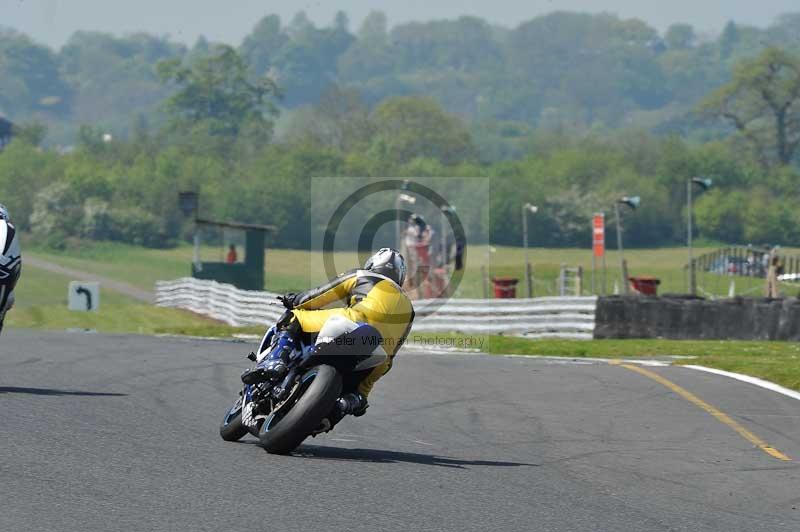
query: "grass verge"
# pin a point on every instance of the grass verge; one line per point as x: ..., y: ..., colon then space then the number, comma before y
x: 41, y: 303
x: 293, y: 270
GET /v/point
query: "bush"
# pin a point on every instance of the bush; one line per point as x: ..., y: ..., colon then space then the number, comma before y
x: 57, y: 215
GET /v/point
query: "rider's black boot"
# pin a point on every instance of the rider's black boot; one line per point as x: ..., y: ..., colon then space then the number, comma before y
x: 353, y: 403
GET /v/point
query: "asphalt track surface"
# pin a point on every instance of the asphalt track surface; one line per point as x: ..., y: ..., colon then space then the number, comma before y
x: 106, y: 433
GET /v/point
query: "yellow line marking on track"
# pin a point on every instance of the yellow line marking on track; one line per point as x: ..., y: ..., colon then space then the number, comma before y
x: 720, y: 415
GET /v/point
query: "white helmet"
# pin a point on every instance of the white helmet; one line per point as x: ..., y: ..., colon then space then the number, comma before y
x: 388, y: 262
x: 4, y: 213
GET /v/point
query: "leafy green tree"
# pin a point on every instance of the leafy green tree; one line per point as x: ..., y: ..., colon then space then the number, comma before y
x: 680, y: 37
x: 411, y: 127
x: 771, y: 220
x: 464, y: 44
x: 340, y: 121
x: 720, y: 214
x: 593, y: 68
x: 729, y: 40
x: 32, y: 133
x: 218, y: 93
x: 24, y: 170
x: 374, y: 29
x: 762, y: 102
x: 114, y: 78
x: 371, y: 55
x: 57, y: 215
x: 30, y: 81
x: 786, y: 31
x: 261, y: 46
x: 306, y: 65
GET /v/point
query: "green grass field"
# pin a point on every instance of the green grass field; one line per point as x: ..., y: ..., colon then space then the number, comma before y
x: 41, y: 303
x: 292, y: 270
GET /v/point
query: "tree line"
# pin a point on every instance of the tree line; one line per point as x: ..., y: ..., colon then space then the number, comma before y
x: 563, y: 71
x: 226, y: 132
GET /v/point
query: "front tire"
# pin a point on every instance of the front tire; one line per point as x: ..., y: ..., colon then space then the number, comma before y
x: 283, y: 435
x: 232, y: 428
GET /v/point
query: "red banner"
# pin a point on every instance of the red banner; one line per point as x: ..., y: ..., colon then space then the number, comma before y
x: 599, y: 234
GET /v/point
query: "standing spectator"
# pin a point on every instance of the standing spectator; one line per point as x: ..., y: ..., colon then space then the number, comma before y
x: 232, y: 255
x: 417, y: 243
x: 750, y: 263
x: 773, y: 271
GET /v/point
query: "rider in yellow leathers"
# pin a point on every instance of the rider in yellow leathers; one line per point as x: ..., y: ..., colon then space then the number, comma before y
x: 372, y: 295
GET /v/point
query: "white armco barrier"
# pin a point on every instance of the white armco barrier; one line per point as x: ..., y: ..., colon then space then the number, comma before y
x: 544, y: 317
x: 220, y: 301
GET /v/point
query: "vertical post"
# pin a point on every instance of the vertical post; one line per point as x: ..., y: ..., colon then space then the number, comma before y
x: 485, y: 271
x: 529, y: 274
x: 528, y: 282
x: 598, y: 244
x: 397, y: 225
x: 255, y: 243
x: 594, y: 259
x: 196, y: 252
x: 692, y: 278
x: 605, y: 271
x: 619, y: 249
x: 485, y: 283
x: 625, y: 277
x: 579, y: 288
x: 445, y: 251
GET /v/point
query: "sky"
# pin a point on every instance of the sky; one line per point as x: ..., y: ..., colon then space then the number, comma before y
x: 53, y: 21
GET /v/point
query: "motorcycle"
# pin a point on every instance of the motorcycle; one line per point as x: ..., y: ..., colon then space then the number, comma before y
x: 10, y: 266
x: 282, y: 412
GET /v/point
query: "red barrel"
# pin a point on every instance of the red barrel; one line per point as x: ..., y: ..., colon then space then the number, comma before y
x: 505, y: 287
x: 647, y: 286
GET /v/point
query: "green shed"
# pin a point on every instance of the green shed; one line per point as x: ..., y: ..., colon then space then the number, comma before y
x: 247, y: 274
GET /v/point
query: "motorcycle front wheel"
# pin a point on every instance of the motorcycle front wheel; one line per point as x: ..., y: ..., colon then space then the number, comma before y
x: 232, y: 428
x: 286, y: 428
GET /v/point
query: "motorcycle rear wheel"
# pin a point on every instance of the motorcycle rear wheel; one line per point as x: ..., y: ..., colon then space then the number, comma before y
x: 282, y: 434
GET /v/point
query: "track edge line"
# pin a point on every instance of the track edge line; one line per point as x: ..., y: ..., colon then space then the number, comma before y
x: 761, y: 383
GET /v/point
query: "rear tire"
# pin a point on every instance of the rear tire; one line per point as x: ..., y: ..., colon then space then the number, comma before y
x: 284, y: 435
x: 232, y: 428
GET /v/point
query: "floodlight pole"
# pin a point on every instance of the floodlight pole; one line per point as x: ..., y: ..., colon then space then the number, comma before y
x: 705, y: 184
x: 443, y: 238
x: 398, y: 222
x: 692, y: 276
x: 619, y: 248
x: 445, y: 209
x: 528, y: 277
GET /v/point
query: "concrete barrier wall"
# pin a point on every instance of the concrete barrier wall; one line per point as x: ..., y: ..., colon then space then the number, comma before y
x: 698, y: 319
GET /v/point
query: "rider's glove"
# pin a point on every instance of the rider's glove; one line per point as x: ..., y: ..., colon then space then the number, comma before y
x: 288, y: 300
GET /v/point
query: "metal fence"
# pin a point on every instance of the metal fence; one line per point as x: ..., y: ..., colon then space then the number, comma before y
x: 746, y: 261
x: 544, y: 317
